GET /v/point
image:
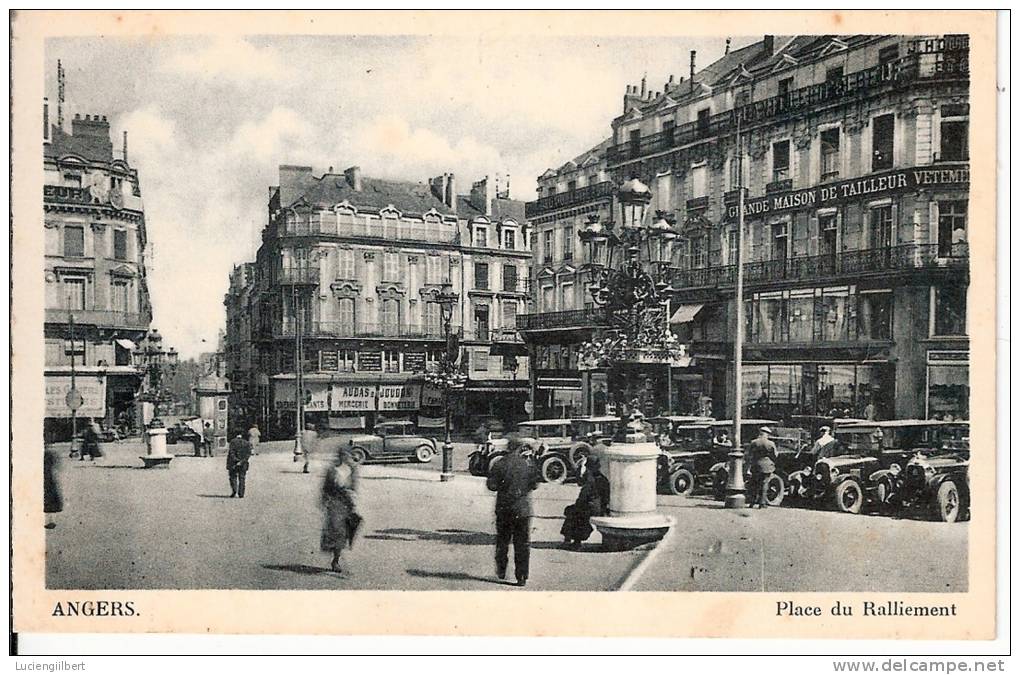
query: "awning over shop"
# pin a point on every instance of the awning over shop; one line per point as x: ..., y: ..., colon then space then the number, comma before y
x: 127, y: 344
x: 684, y: 314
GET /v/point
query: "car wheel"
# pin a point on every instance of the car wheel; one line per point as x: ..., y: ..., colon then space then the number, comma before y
x: 579, y: 453
x: 947, y: 501
x: 423, y: 454
x: 849, y: 497
x: 719, y: 485
x: 681, y: 482
x: 358, y: 455
x: 475, y: 464
x: 775, y: 490
x: 554, y: 469
x: 493, y: 462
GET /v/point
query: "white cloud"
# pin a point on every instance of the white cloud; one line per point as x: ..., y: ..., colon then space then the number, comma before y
x: 266, y: 139
x: 229, y: 58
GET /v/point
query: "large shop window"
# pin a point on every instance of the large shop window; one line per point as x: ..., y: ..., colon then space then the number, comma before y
x: 882, y: 130
x: 952, y: 234
x: 949, y: 305
x: 953, y: 132
x: 874, y: 315
x: 948, y: 392
x: 841, y: 390
x: 771, y: 318
x: 809, y: 315
x: 801, y: 312
x: 834, y: 314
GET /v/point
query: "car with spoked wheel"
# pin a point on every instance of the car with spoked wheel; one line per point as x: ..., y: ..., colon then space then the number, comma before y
x: 392, y: 441
x: 555, y: 448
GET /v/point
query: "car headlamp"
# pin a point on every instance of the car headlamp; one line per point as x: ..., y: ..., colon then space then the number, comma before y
x: 833, y: 473
x: 895, y: 469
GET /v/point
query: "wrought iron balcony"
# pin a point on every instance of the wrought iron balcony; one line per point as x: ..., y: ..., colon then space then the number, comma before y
x: 571, y: 318
x: 948, y: 64
x: 345, y: 329
x: 103, y: 318
x: 293, y: 276
x: 902, y: 258
x: 570, y: 198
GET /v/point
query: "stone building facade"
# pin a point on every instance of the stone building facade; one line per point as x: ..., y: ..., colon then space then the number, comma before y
x: 854, y: 155
x: 353, y: 265
x: 95, y: 241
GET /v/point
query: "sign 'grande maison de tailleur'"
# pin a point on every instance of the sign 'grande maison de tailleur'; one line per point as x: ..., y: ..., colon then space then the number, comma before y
x: 875, y: 185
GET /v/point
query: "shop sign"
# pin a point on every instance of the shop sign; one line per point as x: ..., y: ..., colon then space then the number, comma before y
x: 91, y: 389
x: 876, y: 185
x: 954, y: 357
x: 370, y: 362
x: 414, y: 362
x: 399, y: 396
x: 67, y: 194
x: 354, y: 397
x: 328, y: 360
x: 431, y: 396
x: 317, y: 396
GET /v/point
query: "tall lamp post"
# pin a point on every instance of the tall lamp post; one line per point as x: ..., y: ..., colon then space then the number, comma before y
x: 447, y: 375
x: 157, y: 365
x: 635, y: 294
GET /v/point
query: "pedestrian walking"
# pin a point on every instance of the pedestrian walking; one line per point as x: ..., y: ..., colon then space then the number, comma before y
x: 254, y: 436
x: 208, y: 438
x: 53, y: 498
x: 592, y: 500
x: 339, y: 488
x: 238, y: 455
x: 309, y: 444
x: 762, y: 460
x: 513, y: 480
x: 90, y: 441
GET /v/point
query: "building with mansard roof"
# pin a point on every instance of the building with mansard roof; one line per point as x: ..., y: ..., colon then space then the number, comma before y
x: 853, y: 151
x: 353, y: 264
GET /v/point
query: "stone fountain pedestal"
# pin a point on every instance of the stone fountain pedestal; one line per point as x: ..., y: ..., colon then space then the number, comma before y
x: 157, y: 456
x: 631, y: 469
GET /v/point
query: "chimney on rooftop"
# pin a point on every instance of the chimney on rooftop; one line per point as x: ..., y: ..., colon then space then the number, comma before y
x: 125, y: 146
x: 353, y: 176
x: 727, y: 46
x: 46, y: 120
x: 643, y: 89
x: 693, y: 55
x: 769, y: 45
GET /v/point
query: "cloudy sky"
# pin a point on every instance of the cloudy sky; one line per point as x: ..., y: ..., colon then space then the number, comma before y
x: 210, y: 120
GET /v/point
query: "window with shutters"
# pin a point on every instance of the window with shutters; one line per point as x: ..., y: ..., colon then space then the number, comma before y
x: 74, y: 292
x: 389, y: 316
x: 347, y: 316
x: 699, y: 253
x: 952, y: 233
x: 830, y: 154
x: 481, y: 239
x: 731, y: 247
x: 119, y: 295
x: 481, y: 276
x: 120, y: 245
x: 509, y: 315
x: 953, y: 128
x: 874, y: 315
x: 74, y: 241
x: 391, y: 267
x: 780, y: 161
x: 547, y: 245
x: 568, y: 242
x: 345, y: 264
x: 882, y: 142
x: 509, y: 239
x: 567, y: 296
x: 510, y: 278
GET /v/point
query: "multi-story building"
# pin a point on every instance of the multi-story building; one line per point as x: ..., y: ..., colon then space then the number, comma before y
x: 567, y: 197
x: 95, y: 278
x: 239, y: 348
x: 853, y: 152
x: 353, y: 265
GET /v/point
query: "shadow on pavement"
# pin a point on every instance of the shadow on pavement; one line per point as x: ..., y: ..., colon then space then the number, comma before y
x: 301, y: 569
x: 116, y: 466
x: 458, y: 576
x: 463, y: 537
x: 215, y: 496
x: 434, y: 479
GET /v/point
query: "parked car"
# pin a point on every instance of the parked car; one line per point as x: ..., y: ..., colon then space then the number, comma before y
x: 589, y: 432
x: 687, y: 455
x: 392, y: 441
x: 938, y: 485
x: 555, y: 447
x: 485, y: 456
x: 182, y: 432
x: 720, y: 469
x: 864, y: 465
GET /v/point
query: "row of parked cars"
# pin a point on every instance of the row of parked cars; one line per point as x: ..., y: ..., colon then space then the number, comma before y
x: 915, y: 466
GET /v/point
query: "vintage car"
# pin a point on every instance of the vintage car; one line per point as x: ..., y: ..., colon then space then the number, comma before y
x: 865, y: 462
x: 183, y: 431
x: 937, y: 482
x: 590, y: 432
x: 687, y: 454
x: 785, y: 439
x: 555, y: 448
x: 392, y: 441
x: 813, y: 423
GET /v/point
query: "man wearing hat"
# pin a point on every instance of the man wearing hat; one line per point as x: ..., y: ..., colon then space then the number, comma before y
x: 513, y: 480
x: 762, y: 461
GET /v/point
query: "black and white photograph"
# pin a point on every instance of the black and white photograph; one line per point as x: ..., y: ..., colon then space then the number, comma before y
x: 511, y: 313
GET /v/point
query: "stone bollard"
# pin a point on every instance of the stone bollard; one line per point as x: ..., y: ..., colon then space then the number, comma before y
x: 735, y: 481
x: 157, y: 456
x: 632, y: 520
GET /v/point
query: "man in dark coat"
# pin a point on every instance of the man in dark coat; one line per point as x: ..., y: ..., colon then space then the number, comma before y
x: 762, y: 461
x: 512, y: 480
x: 238, y: 455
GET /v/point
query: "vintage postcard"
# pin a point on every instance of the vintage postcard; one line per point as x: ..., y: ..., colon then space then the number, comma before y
x: 504, y: 323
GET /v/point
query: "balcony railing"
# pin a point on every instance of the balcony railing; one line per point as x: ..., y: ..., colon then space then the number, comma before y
x: 571, y: 198
x: 571, y: 318
x: 344, y: 329
x: 908, y: 69
x: 298, y: 275
x: 905, y: 257
x: 101, y: 317
x: 375, y: 228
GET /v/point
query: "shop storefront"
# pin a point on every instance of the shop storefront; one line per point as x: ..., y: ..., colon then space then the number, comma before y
x: 778, y: 391
x: 948, y: 385
x: 354, y: 405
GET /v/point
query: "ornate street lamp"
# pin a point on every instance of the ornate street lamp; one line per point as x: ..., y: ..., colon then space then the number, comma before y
x: 628, y: 275
x: 447, y: 376
x: 156, y: 365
